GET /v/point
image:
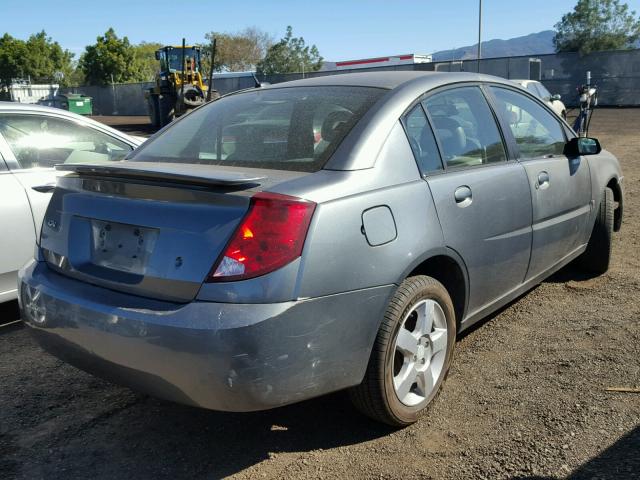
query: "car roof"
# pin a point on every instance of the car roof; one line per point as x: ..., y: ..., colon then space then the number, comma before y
x: 390, y: 79
x: 34, y: 108
x: 523, y: 81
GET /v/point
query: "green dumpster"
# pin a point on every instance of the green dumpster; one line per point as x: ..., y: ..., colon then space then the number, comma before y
x: 75, y: 102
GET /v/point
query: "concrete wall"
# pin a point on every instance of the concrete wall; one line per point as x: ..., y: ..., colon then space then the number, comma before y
x: 617, y: 75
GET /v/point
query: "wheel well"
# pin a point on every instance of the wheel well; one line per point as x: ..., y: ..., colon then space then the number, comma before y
x: 617, y: 198
x: 447, y: 271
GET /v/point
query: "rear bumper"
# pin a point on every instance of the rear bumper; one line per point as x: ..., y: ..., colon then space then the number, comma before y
x: 222, y: 356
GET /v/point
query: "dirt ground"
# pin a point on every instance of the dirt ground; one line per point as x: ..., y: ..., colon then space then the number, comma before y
x: 525, y: 398
x: 133, y: 125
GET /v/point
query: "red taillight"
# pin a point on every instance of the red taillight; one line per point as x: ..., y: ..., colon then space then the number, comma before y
x: 271, y: 235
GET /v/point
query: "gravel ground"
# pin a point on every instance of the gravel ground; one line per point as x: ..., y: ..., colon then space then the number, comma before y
x: 525, y: 398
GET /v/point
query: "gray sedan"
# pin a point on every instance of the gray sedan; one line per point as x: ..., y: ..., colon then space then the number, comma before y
x: 330, y: 233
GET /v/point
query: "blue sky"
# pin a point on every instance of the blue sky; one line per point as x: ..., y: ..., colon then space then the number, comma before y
x: 342, y: 29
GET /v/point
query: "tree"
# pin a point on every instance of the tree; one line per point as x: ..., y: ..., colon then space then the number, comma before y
x: 237, y: 52
x: 12, y: 52
x: 110, y: 58
x: 290, y: 54
x: 39, y: 58
x: 145, y: 59
x: 46, y: 61
x: 596, y: 25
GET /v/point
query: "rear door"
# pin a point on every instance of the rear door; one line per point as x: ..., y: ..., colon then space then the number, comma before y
x: 482, y: 199
x: 18, y: 236
x: 560, y: 187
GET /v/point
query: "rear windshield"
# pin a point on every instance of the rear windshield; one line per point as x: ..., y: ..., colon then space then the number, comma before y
x: 295, y: 128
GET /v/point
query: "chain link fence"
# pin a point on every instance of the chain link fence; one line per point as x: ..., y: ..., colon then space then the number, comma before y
x: 616, y: 73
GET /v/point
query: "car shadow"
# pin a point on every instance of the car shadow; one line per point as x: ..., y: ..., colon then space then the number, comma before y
x: 159, y: 439
x: 568, y: 273
x: 571, y: 272
x: 9, y: 312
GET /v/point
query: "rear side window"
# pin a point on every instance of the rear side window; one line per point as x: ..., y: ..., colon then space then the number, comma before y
x: 532, y: 89
x: 536, y: 130
x: 544, y: 93
x: 422, y: 141
x: 296, y: 128
x: 465, y: 127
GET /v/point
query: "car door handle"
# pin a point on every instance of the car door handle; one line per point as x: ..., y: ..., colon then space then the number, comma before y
x: 463, y: 196
x: 46, y: 188
x: 543, y: 180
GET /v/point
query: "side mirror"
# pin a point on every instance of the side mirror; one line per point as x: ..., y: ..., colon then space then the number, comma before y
x: 582, y: 146
x: 555, y: 97
x: 157, y: 54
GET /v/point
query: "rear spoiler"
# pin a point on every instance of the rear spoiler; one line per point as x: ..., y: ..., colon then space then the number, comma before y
x: 191, y: 174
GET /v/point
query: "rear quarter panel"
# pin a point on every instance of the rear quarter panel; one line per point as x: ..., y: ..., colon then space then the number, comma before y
x: 337, y: 256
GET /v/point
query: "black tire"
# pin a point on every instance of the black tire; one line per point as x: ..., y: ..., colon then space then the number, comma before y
x: 597, y: 256
x: 154, y: 114
x: 376, y: 396
x: 192, y: 97
x: 166, y: 106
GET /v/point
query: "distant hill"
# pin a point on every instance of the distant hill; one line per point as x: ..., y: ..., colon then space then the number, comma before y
x: 532, y: 44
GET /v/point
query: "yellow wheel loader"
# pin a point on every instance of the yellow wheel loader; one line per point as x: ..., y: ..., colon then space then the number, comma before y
x: 179, y: 84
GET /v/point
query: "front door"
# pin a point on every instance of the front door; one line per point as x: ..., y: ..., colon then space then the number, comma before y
x: 560, y: 187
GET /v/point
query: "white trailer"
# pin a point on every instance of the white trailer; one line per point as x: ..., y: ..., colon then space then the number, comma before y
x: 31, y: 93
x: 392, y: 60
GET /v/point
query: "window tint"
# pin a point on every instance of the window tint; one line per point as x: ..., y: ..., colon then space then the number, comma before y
x: 295, y: 128
x: 422, y: 141
x: 43, y: 141
x: 465, y: 127
x: 536, y: 130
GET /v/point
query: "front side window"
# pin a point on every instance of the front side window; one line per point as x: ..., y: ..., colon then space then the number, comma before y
x: 532, y: 89
x: 175, y: 58
x: 465, y: 127
x: 422, y: 141
x: 536, y: 130
x: 295, y: 128
x: 44, y: 141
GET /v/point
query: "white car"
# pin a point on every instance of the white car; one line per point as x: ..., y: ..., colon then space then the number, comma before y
x: 33, y: 139
x: 539, y: 90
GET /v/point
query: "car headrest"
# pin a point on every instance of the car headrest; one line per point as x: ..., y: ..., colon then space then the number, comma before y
x: 451, y: 135
x: 334, y: 122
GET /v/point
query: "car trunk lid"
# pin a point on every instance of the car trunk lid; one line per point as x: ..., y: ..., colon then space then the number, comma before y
x: 148, y: 229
